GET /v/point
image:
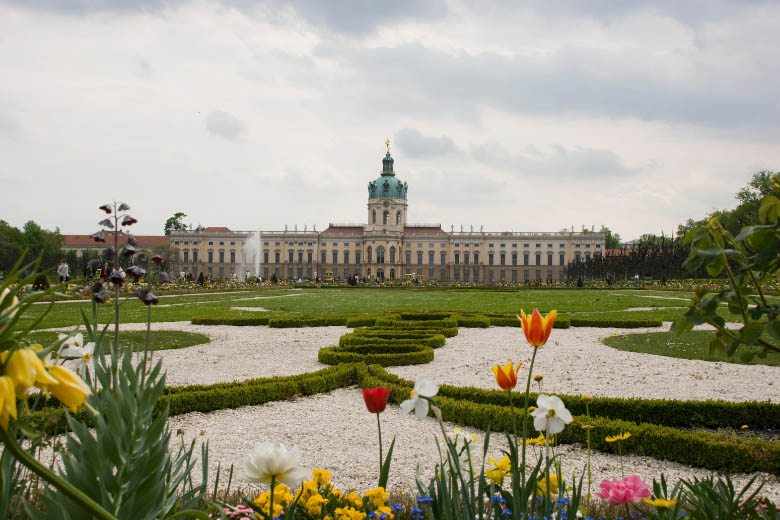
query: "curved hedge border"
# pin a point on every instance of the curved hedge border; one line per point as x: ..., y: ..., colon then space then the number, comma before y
x: 619, y: 324
x: 384, y: 354
x: 432, y: 341
x: 389, y: 323
x: 505, y: 321
x: 239, y: 322
x: 702, y: 449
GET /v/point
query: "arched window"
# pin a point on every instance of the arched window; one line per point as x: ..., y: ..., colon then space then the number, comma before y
x: 392, y: 256
x: 385, y: 217
x: 398, y: 219
x: 368, y: 253
x: 380, y: 255
x: 392, y: 274
x: 373, y: 217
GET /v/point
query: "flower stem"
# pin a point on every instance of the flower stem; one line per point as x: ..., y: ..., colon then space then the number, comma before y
x: 620, y: 452
x: 271, y: 507
x: 379, y: 427
x: 587, y: 412
x: 52, y: 478
x: 148, y: 333
x: 525, y: 414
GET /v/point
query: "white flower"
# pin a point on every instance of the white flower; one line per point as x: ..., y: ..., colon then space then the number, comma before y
x: 278, y: 463
x: 77, y: 340
x: 422, y: 388
x: 81, y: 355
x: 550, y: 414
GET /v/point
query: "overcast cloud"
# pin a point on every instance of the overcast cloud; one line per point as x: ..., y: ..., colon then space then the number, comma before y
x: 519, y: 116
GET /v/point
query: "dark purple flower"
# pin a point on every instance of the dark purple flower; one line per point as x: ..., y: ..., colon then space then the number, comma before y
x: 136, y: 272
x: 97, y: 287
x: 132, y: 241
x: 99, y: 236
x: 128, y: 250
x: 108, y: 253
x: 106, y: 208
x: 147, y: 297
x: 116, y: 278
x: 164, y: 277
x: 127, y: 220
x: 106, y: 222
x: 100, y: 297
x: 123, y: 207
x: 157, y: 259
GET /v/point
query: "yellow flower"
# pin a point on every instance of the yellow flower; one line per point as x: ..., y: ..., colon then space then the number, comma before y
x: 7, y: 303
x: 541, y: 485
x: 377, y: 496
x: 347, y: 513
x: 587, y: 426
x: 336, y: 493
x: 619, y: 437
x: 538, y: 377
x: 506, y: 376
x: 384, y: 510
x: 308, y: 489
x: 264, y: 502
x: 660, y: 502
x: 7, y: 401
x: 354, y: 500
x: 314, y: 505
x: 745, y: 426
x: 531, y: 409
x: 321, y: 477
x: 68, y: 387
x: 282, y: 494
x: 501, y: 469
x: 26, y: 369
x: 537, y: 328
x: 587, y: 398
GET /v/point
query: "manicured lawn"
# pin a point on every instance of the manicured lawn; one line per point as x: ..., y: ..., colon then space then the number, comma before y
x: 605, y: 303
x: 691, y: 345
x: 159, y: 340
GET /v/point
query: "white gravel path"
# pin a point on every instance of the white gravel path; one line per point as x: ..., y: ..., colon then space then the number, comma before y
x: 335, y: 432
x: 574, y: 361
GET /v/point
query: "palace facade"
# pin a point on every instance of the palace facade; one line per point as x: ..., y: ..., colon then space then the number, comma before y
x: 387, y: 247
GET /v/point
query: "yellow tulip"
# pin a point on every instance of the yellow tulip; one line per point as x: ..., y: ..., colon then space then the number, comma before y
x: 68, y: 387
x: 537, y: 328
x: 660, y: 502
x: 7, y: 303
x: 541, y: 485
x: 506, y: 376
x: 7, y: 401
x: 26, y: 369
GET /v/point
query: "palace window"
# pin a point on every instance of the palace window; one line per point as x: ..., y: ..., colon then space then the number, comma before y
x: 466, y: 258
x: 309, y: 257
x: 514, y: 260
x: 398, y: 219
x: 392, y: 254
x: 300, y: 257
x: 385, y: 217
x: 186, y: 256
x: 357, y: 257
x: 476, y: 258
x: 419, y: 258
x: 194, y: 256
x: 562, y: 258
x: 380, y: 255
x: 265, y: 257
x: 503, y: 258
x: 324, y: 256
x: 335, y: 257
x: 443, y: 256
x: 276, y: 257
x: 232, y: 257
x: 290, y: 256
x: 221, y: 257
x: 457, y: 258
x: 538, y: 259
x: 549, y: 259
x: 408, y: 257
x: 431, y: 257
x: 368, y: 254
x: 490, y: 258
x: 373, y: 217
x: 346, y: 257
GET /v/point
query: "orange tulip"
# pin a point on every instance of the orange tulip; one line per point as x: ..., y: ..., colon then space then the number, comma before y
x: 537, y: 328
x: 506, y: 376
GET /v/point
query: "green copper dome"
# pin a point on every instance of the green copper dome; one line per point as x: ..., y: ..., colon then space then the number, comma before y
x: 388, y: 186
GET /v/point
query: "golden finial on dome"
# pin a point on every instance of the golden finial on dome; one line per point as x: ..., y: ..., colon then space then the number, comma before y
x: 387, y: 143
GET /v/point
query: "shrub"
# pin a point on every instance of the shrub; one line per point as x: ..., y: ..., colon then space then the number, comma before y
x: 424, y: 316
x: 367, y: 320
x: 560, y: 323
x: 383, y: 354
x: 617, y: 323
x: 286, y: 323
x: 435, y: 341
x: 239, y: 322
x: 427, y: 324
x: 479, y: 322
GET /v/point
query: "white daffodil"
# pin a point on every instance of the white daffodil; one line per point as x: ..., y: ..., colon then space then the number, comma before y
x: 77, y: 340
x: 550, y: 414
x: 422, y: 388
x: 269, y: 462
x: 81, y: 355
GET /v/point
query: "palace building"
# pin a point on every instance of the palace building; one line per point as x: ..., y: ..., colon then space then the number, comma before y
x: 387, y: 247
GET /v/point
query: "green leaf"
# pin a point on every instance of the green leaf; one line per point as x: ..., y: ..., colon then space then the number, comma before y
x: 773, y: 329
x: 385, y: 473
x: 747, y: 356
x: 750, y: 333
x: 769, y: 210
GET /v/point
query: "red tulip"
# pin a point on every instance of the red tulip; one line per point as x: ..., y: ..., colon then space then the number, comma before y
x: 376, y: 399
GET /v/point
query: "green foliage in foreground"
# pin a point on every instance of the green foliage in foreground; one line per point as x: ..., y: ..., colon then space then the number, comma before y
x: 135, y: 339
x: 689, y: 345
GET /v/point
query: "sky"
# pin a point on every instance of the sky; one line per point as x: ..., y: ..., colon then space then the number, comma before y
x: 508, y: 114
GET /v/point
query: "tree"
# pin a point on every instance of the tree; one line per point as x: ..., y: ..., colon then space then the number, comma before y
x: 612, y: 240
x: 175, y: 224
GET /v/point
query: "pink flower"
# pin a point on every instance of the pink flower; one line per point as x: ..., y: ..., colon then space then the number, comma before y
x: 630, y: 490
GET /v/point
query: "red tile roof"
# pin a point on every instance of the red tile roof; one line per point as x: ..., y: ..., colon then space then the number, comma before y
x: 433, y: 230
x: 217, y: 229
x: 87, y: 241
x: 345, y: 230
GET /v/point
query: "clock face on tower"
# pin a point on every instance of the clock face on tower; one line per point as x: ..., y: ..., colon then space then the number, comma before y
x: 386, y: 204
